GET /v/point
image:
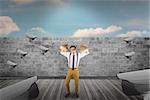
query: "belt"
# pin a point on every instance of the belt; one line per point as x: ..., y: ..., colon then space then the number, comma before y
x: 71, y: 68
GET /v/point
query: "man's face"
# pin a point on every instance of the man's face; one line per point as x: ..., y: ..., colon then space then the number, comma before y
x: 73, y: 50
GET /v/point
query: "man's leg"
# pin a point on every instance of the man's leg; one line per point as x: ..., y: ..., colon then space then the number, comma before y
x: 76, y: 78
x: 68, y: 77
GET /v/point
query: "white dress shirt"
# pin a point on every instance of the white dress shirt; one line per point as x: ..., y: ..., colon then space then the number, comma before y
x: 78, y: 56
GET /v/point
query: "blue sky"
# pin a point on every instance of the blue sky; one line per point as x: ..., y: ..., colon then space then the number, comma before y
x: 74, y: 18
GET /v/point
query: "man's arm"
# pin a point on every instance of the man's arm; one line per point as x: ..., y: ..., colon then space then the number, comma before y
x: 84, y: 50
x: 64, y: 50
x: 83, y: 54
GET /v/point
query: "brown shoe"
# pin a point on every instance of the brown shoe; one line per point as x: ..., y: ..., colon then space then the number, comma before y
x: 76, y: 94
x: 67, y: 95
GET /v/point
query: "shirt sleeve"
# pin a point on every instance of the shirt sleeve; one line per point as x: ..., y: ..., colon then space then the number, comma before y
x: 84, y: 54
x: 64, y: 54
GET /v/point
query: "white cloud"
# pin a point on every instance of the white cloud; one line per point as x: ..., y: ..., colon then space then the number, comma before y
x: 97, y: 31
x: 133, y: 34
x: 7, y: 25
x: 39, y: 32
x: 112, y: 28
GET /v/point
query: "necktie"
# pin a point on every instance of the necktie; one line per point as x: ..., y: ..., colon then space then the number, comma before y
x: 73, y: 62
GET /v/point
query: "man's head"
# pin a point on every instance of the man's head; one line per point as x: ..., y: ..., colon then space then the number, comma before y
x: 73, y: 49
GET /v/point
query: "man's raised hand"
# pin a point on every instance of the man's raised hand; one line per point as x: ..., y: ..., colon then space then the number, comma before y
x: 64, y: 48
x: 84, y: 48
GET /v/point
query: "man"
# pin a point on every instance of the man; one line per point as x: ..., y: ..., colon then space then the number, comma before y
x: 73, y: 58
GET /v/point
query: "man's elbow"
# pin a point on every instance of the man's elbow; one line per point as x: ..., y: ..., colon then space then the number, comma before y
x: 61, y: 52
x: 87, y: 52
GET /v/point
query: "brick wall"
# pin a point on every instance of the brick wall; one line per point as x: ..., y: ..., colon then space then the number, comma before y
x: 106, y: 56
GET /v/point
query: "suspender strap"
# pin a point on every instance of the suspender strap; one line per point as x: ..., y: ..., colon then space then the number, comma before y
x: 77, y: 59
x: 69, y: 58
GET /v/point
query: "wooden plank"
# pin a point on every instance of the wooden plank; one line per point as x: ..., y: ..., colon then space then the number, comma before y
x: 53, y: 90
x: 117, y: 84
x: 102, y: 96
x: 105, y: 90
x: 82, y: 91
x: 92, y: 89
x: 87, y: 90
x: 42, y: 85
x: 116, y: 92
x: 59, y: 96
x: 63, y: 91
x: 47, y: 89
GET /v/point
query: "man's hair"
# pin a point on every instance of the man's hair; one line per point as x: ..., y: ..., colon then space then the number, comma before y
x: 73, y: 46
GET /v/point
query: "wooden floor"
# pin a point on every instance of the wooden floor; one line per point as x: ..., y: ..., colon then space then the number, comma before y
x: 89, y: 89
x: 5, y: 83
